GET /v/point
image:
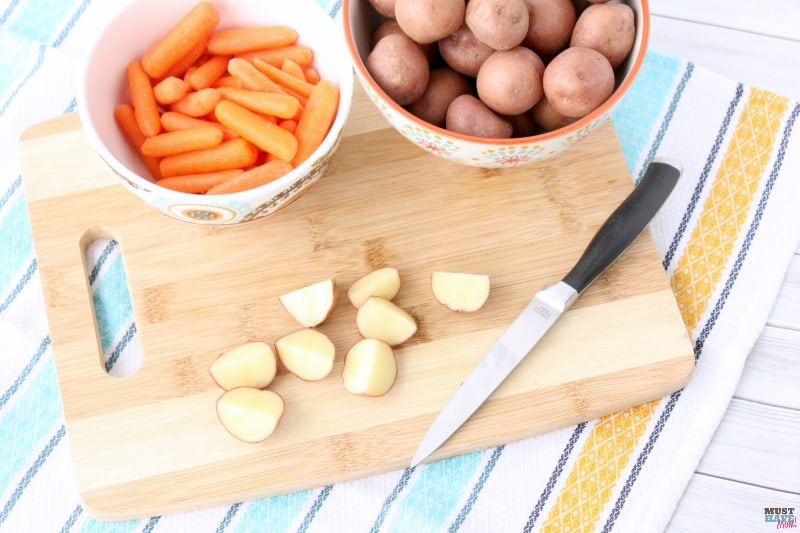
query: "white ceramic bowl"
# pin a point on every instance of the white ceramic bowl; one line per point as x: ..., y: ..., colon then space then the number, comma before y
x: 142, y: 23
x: 360, y: 20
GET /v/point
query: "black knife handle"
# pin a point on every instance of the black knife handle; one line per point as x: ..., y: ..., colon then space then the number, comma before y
x: 624, y: 224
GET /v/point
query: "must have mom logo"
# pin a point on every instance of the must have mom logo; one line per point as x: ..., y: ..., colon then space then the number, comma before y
x: 783, y: 517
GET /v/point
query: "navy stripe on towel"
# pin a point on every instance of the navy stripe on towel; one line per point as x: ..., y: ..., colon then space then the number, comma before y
x: 226, y: 521
x: 551, y: 483
x: 390, y: 499
x: 315, y: 507
x: 25, y: 371
x: 37, y: 464
x: 26, y: 277
x: 473, y: 497
x: 72, y: 519
x: 701, y: 183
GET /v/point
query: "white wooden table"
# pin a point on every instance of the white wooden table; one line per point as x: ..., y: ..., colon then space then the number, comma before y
x: 753, y: 461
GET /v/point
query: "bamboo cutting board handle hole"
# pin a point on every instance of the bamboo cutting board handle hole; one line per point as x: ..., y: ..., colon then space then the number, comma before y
x: 119, y: 354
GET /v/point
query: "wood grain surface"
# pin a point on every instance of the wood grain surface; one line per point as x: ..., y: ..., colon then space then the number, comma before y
x: 150, y: 443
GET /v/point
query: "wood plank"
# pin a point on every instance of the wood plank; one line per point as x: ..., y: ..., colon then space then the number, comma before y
x: 757, y: 60
x: 197, y: 291
x: 717, y: 504
x: 766, y: 436
x: 772, y: 370
x: 777, y: 18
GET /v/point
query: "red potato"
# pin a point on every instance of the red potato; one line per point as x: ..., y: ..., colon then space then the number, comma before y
x: 390, y: 26
x: 384, y: 7
x: 577, y: 81
x: 444, y: 86
x: 500, y: 24
x: 470, y: 116
x: 523, y: 124
x: 608, y: 28
x: 550, y: 25
x: 463, y: 52
x: 400, y: 68
x: 548, y: 118
x: 427, y: 21
x: 510, y: 81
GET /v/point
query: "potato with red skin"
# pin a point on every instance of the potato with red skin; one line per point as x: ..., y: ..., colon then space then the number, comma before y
x: 510, y: 81
x: 578, y: 80
x: 384, y: 7
x: 470, y: 116
x: 463, y: 52
x: 608, y: 28
x: 500, y: 24
x: 550, y: 25
x: 548, y: 118
x: 427, y: 21
x: 390, y: 26
x: 400, y: 68
x: 444, y: 85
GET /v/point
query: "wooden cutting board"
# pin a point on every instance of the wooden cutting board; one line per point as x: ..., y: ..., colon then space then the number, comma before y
x: 150, y: 443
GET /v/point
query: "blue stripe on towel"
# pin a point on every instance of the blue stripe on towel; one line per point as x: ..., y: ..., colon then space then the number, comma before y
x: 636, y: 112
x: 25, y: 371
x: 7, y: 13
x: 315, y: 507
x: 112, y: 303
x: 39, y: 19
x: 29, y: 426
x: 435, y: 493
x: 15, y: 231
x: 26, y: 479
x: 72, y: 519
x: 712, y: 320
x: 226, y: 520
x: 476, y: 489
x: 276, y: 513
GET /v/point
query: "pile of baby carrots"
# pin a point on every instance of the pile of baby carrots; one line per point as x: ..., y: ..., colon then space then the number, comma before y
x: 220, y: 111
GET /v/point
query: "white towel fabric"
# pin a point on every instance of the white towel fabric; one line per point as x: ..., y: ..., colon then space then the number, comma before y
x: 726, y: 236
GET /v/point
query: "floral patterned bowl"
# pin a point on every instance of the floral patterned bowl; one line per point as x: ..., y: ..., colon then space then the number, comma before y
x: 360, y: 21
x: 142, y: 23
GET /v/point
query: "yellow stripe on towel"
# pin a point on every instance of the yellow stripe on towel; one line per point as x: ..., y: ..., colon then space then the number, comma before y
x: 722, y: 218
x: 604, y: 455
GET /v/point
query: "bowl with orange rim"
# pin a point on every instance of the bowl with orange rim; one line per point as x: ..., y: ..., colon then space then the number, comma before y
x: 216, y: 112
x: 530, y: 139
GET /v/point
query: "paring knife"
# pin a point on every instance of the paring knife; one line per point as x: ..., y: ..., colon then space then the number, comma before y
x: 613, y: 237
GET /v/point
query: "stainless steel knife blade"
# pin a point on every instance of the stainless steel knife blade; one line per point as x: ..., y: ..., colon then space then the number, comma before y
x: 614, y: 236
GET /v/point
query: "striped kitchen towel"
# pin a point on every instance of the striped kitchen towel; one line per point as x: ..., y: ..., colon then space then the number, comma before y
x: 726, y: 236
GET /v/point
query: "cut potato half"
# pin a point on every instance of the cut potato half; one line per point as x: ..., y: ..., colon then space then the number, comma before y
x: 370, y: 368
x: 379, y: 318
x: 249, y: 365
x: 384, y: 283
x: 250, y: 414
x: 460, y: 292
x: 307, y: 353
x: 311, y: 305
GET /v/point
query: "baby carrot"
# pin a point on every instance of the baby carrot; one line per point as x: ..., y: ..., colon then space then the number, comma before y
x: 207, y: 74
x: 268, y: 136
x: 143, y: 99
x: 179, y: 141
x: 293, y: 68
x: 172, y: 121
x: 198, y: 183
x: 283, y: 79
x: 254, y: 177
x: 169, y: 90
x: 280, y: 105
x: 126, y: 120
x: 197, y: 103
x: 196, y: 26
x: 289, y: 125
x: 187, y: 62
x: 298, y: 53
x: 236, y: 153
x: 251, y: 77
x: 316, y: 120
x: 312, y: 75
x: 228, y: 81
x: 238, y: 40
